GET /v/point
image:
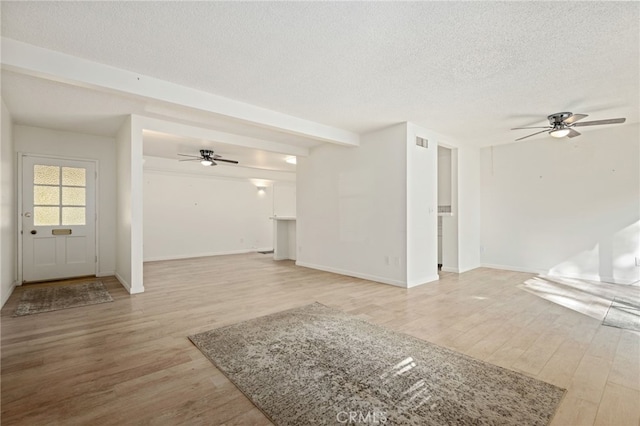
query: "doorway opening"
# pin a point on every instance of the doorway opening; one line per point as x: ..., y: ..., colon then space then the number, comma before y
x: 447, y: 209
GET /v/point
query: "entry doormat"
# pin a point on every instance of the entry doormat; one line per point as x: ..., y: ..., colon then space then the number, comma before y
x: 47, y: 299
x: 317, y: 365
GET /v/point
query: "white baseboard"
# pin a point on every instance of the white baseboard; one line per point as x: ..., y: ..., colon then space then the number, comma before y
x: 105, y: 274
x: 6, y: 296
x: 450, y: 269
x: 513, y: 268
x: 124, y: 282
x: 586, y: 277
x: 353, y: 274
x: 127, y: 286
x: 597, y: 278
x: 208, y: 254
x: 136, y: 290
x: 423, y: 281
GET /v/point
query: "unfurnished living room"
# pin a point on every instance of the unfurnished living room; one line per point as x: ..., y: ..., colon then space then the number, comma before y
x: 320, y: 213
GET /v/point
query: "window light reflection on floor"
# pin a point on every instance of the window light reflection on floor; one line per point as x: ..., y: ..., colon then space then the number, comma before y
x: 590, y: 298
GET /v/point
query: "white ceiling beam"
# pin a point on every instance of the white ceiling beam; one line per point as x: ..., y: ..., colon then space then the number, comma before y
x: 186, y: 130
x: 32, y: 60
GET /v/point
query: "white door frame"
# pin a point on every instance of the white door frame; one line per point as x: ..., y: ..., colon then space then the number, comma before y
x: 20, y: 211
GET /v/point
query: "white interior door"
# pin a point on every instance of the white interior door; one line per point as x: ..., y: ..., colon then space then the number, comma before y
x: 58, y: 218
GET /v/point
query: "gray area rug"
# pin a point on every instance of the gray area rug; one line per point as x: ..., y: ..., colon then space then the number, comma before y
x: 317, y: 365
x: 623, y: 314
x: 47, y: 299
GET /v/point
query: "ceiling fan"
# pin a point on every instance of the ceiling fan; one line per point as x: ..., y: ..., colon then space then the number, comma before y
x: 562, y: 124
x: 207, y: 158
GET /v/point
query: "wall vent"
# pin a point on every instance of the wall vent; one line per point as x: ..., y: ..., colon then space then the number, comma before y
x: 422, y: 142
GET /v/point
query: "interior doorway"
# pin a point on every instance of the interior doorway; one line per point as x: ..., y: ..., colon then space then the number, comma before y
x: 447, y: 209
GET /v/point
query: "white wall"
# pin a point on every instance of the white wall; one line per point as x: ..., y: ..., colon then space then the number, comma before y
x: 351, y: 208
x: 34, y: 140
x: 129, y: 224
x: 422, y: 207
x: 444, y: 176
x: 8, y: 231
x: 199, y: 215
x: 468, y: 208
x: 284, y: 199
x: 284, y: 205
x: 567, y: 207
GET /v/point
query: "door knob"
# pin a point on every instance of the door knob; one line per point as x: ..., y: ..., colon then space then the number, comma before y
x: 27, y: 214
x: 34, y: 232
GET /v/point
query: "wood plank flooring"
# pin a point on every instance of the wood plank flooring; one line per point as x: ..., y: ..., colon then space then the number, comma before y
x: 130, y: 362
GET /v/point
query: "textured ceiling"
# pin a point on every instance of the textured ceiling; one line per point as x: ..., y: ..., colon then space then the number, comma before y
x: 469, y: 70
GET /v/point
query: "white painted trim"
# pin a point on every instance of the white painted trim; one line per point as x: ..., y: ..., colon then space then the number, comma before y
x: 463, y: 270
x: 544, y: 272
x: 19, y: 228
x: 592, y: 277
x: 137, y: 290
x: 164, y: 126
x: 198, y: 255
x: 44, y: 63
x: 172, y: 172
x: 353, y: 274
x: 124, y: 282
x: 106, y: 274
x: 423, y: 281
x: 6, y: 296
x: 514, y: 268
x: 127, y: 286
x: 96, y: 207
x: 21, y: 156
x: 450, y: 269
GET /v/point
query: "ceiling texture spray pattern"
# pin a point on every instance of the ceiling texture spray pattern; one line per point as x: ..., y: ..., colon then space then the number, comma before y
x: 467, y: 70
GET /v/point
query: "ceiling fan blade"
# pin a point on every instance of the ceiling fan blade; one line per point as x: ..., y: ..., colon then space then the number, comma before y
x: 574, y: 118
x: 227, y: 161
x: 545, y: 127
x: 191, y: 159
x: 533, y: 134
x: 187, y: 155
x: 599, y: 122
x: 573, y: 133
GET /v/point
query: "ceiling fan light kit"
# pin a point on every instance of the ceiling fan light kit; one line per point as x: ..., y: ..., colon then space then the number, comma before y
x: 207, y: 158
x: 559, y: 133
x: 561, y: 124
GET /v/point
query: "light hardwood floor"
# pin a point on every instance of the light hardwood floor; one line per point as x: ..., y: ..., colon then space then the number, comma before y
x: 130, y: 362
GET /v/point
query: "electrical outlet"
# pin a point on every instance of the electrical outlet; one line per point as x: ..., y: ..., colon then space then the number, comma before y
x: 637, y: 261
x: 386, y: 260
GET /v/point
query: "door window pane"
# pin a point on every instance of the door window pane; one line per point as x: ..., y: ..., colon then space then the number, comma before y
x: 46, y: 195
x: 73, y: 196
x: 73, y: 216
x: 74, y: 176
x: 46, y: 175
x: 55, y: 187
x: 46, y: 216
